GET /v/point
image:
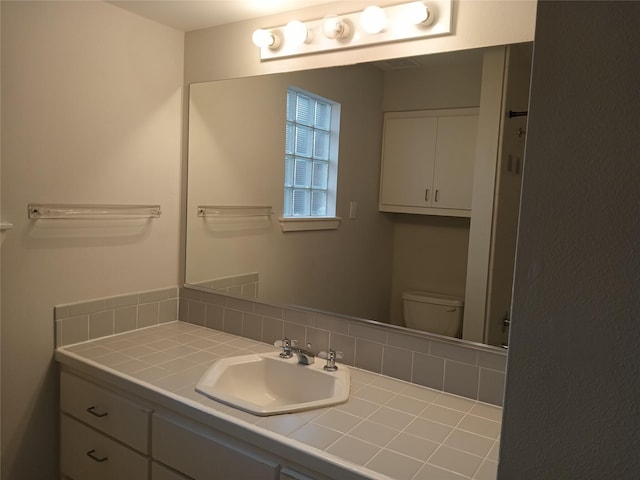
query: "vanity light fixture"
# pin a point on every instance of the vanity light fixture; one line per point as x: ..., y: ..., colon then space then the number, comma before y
x: 418, y: 13
x: 411, y: 20
x: 373, y: 20
x: 297, y: 33
x: 265, y: 39
x: 335, y: 27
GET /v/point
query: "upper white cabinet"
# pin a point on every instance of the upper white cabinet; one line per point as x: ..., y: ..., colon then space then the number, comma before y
x: 427, y: 161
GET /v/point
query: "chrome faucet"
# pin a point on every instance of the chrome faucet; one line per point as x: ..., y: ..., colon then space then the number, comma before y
x: 305, y: 357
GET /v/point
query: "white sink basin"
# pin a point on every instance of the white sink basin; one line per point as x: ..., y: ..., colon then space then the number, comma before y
x: 265, y: 384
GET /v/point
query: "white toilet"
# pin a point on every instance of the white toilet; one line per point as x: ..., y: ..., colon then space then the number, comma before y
x: 433, y: 312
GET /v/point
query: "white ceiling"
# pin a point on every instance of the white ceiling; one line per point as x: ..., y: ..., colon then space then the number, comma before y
x: 188, y: 15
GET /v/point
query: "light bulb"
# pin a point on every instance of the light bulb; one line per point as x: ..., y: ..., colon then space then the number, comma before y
x: 297, y: 33
x: 373, y: 20
x: 265, y: 38
x: 418, y: 13
x: 334, y: 27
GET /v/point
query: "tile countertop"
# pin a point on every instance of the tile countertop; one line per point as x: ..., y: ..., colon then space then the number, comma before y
x: 388, y: 429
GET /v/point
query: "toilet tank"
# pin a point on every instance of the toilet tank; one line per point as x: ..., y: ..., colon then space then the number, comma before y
x: 433, y: 312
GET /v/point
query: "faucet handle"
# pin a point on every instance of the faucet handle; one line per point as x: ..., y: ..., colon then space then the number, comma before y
x: 331, y: 356
x: 285, y: 344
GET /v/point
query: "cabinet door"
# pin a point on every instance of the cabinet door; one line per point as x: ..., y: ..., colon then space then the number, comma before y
x: 455, y: 153
x: 88, y: 455
x: 408, y: 156
x: 288, y: 474
x: 159, y: 472
x: 202, y: 454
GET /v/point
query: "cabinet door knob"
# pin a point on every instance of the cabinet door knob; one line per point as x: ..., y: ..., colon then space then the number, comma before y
x: 92, y: 455
x: 93, y: 411
x: 426, y: 195
x: 436, y: 197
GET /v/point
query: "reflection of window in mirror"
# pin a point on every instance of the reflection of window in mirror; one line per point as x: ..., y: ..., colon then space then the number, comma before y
x: 311, y: 155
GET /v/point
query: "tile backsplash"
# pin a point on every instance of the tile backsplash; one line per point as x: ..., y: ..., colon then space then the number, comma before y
x: 473, y: 371
x: 82, y: 321
x: 243, y: 285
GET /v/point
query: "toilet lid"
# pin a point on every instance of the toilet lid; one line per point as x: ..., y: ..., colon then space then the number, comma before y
x: 435, y: 298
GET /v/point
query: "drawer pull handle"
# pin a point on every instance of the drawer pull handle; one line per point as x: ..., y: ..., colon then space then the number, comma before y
x: 92, y: 410
x: 92, y: 455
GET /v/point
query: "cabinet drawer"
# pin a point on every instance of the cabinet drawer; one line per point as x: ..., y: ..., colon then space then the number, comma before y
x: 88, y: 455
x: 106, y: 411
x: 200, y: 453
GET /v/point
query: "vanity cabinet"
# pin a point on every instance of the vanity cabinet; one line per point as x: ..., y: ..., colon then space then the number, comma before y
x: 103, y: 435
x: 109, y: 434
x: 203, y: 454
x: 428, y: 161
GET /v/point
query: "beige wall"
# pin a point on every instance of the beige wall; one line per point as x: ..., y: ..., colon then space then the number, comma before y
x: 571, y: 399
x: 453, y: 82
x: 92, y: 99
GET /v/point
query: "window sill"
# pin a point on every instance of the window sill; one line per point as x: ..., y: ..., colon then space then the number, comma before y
x: 299, y: 224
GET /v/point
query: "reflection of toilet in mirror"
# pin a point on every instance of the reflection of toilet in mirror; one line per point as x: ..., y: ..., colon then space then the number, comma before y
x: 433, y: 312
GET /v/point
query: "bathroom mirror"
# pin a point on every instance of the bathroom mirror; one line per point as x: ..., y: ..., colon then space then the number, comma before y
x: 359, y: 269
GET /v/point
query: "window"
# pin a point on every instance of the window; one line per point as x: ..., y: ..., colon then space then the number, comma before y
x: 311, y: 155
